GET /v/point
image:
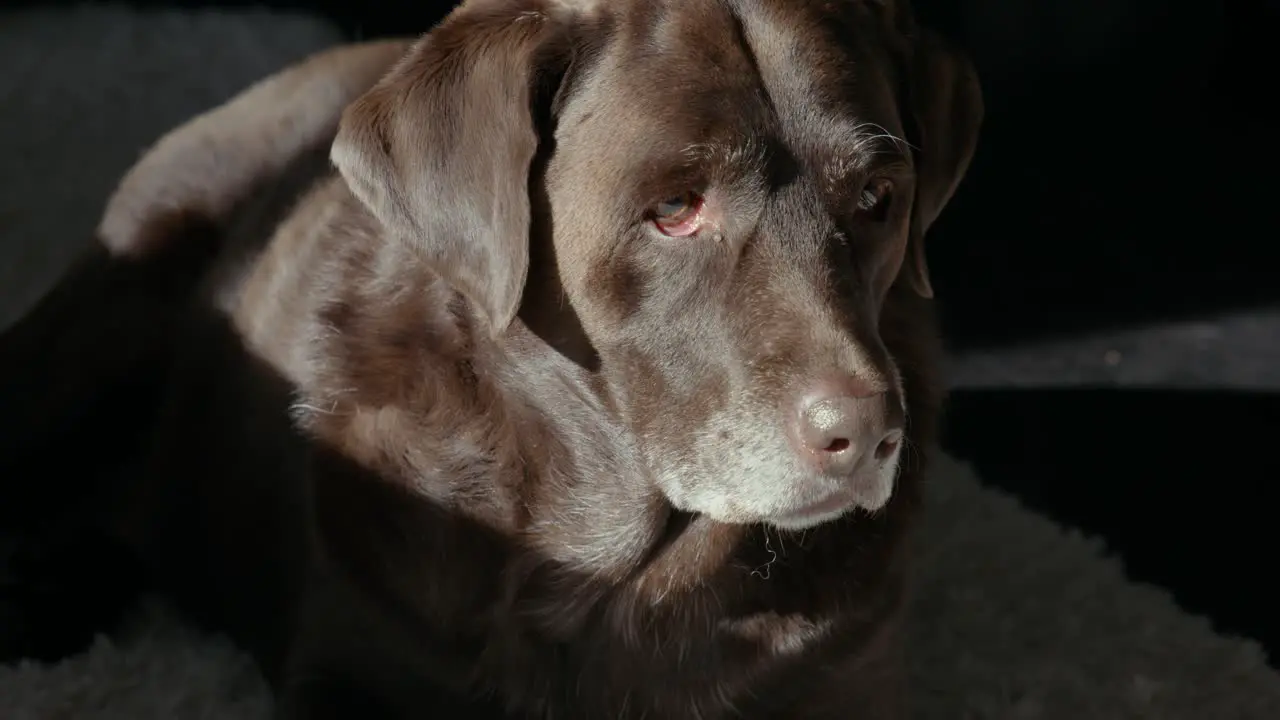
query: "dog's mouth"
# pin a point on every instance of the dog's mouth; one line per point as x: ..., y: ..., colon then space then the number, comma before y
x: 817, y: 513
x: 868, y: 490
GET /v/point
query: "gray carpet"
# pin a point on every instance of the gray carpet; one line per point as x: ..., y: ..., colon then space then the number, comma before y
x: 1239, y: 351
x: 1015, y: 617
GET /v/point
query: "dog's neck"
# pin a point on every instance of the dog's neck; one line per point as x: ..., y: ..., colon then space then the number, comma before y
x: 590, y: 502
x: 595, y: 506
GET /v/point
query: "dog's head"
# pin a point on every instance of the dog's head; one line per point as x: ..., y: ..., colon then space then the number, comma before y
x: 729, y: 193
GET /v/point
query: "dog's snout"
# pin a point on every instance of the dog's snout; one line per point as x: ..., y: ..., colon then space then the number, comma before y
x: 838, y: 426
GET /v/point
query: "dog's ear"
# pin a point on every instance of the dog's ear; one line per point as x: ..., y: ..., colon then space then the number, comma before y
x: 946, y: 109
x: 440, y: 149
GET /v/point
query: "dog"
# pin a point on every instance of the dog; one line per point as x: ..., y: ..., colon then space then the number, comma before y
x: 588, y: 371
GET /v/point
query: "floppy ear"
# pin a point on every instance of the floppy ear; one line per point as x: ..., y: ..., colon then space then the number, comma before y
x: 440, y: 149
x: 946, y: 108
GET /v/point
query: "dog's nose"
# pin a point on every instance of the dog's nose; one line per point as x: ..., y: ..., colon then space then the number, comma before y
x: 837, y: 424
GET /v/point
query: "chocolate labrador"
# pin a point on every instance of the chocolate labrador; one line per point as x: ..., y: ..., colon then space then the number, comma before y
x: 595, y: 378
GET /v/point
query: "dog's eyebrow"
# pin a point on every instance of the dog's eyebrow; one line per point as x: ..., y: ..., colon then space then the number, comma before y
x: 742, y: 151
x: 873, y: 141
x: 864, y: 147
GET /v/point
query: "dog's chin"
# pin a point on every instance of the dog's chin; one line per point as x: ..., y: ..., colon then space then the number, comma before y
x: 868, y: 495
x: 810, y: 517
x: 792, y: 503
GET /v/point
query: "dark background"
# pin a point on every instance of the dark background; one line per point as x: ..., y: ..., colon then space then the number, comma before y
x: 1126, y: 175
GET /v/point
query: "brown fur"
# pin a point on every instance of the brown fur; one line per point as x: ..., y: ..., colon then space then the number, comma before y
x: 423, y: 451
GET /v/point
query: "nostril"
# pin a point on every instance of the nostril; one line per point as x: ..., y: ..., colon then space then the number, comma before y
x: 837, y: 445
x: 827, y: 426
x: 888, y: 446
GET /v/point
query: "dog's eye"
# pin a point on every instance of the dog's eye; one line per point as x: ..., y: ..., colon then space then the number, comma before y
x: 679, y: 216
x: 873, y: 204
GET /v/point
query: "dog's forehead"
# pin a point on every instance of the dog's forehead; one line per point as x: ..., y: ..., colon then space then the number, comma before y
x: 817, y: 68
